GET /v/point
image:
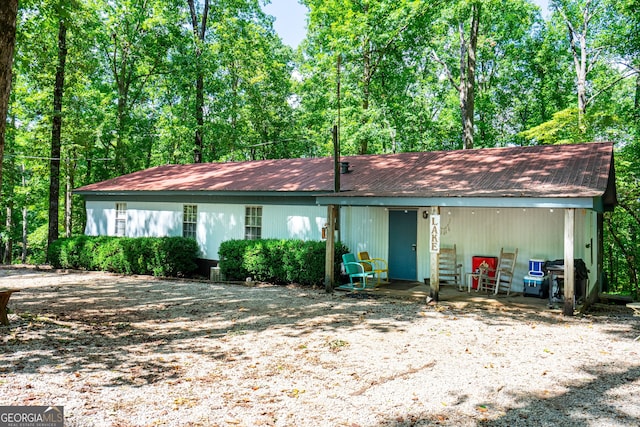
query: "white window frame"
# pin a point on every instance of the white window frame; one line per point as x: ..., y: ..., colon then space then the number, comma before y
x: 253, y: 222
x: 189, y: 221
x: 121, y: 219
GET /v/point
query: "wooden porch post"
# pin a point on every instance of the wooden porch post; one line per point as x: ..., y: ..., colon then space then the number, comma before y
x: 569, y: 273
x: 434, y: 274
x: 329, y: 274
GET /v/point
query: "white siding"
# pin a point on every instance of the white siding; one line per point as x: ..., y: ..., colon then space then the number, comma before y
x: 143, y: 219
x: 216, y: 222
x: 293, y: 222
x: 586, y: 241
x: 154, y: 219
x: 365, y: 229
x: 101, y: 219
x: 537, y: 233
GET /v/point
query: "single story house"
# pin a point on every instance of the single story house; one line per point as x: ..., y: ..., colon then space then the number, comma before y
x: 542, y: 200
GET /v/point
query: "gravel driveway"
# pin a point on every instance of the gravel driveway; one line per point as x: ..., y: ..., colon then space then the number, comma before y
x: 137, y: 351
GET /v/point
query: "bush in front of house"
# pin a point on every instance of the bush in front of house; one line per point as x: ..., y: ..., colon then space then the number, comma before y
x: 277, y: 261
x: 158, y: 256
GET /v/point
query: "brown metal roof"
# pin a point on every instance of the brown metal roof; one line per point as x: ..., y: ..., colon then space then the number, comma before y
x: 580, y: 170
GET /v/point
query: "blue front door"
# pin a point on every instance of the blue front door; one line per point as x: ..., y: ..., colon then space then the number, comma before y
x: 403, y: 232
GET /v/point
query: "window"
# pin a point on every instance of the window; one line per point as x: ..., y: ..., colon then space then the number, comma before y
x: 189, y: 221
x: 253, y: 223
x: 121, y: 219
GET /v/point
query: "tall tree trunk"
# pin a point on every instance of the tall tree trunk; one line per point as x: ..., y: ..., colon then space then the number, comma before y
x: 25, y: 228
x: 636, y: 101
x: 367, y: 75
x: 8, y: 245
x: 581, y: 61
x: 9, y: 199
x: 468, y: 77
x: 366, y: 92
x: 8, y: 13
x: 581, y: 76
x: 24, y: 219
x: 119, y: 150
x: 68, y: 199
x: 54, y: 167
x: 199, y: 32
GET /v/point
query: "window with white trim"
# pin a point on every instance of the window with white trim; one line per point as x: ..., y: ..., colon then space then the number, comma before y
x: 253, y: 222
x: 121, y: 219
x: 189, y: 221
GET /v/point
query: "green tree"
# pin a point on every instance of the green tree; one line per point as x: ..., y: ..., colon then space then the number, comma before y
x: 369, y: 46
x: 54, y: 162
x: 199, y: 31
x: 134, y: 43
x: 8, y: 13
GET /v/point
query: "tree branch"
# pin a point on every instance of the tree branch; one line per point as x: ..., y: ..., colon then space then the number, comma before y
x: 397, y: 34
x: 611, y: 84
x: 435, y: 57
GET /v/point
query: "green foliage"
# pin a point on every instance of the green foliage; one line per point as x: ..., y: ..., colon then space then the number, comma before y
x: 276, y: 261
x: 622, y: 229
x: 158, y: 256
x: 37, y: 253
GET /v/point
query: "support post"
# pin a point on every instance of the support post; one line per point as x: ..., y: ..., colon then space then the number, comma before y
x: 329, y: 274
x: 569, y: 273
x: 434, y: 262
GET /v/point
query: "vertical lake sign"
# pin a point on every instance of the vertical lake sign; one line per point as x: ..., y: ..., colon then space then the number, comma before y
x: 434, y: 230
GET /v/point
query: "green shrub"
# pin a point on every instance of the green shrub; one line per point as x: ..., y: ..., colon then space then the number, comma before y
x: 160, y: 256
x: 276, y: 261
x: 232, y: 259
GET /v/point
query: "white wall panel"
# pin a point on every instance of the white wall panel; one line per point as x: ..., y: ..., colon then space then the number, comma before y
x: 293, y: 222
x: 537, y: 233
x: 101, y: 217
x: 365, y: 229
x: 586, y: 241
x: 145, y: 219
x: 218, y: 223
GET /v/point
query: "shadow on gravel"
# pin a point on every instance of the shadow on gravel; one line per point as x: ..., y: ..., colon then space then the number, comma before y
x: 81, y: 325
x: 90, y: 325
x: 581, y: 405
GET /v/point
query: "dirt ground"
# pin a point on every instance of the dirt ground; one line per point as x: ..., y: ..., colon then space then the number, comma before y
x: 138, y: 351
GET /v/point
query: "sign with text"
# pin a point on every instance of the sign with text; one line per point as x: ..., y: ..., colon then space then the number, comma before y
x: 31, y: 416
x: 434, y: 230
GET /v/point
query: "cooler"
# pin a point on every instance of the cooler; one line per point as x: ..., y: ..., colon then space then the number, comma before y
x: 536, y: 286
x: 535, y: 267
x: 490, y: 262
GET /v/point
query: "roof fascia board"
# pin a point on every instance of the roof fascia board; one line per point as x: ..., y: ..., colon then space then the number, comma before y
x: 163, y: 193
x: 204, y: 197
x: 471, y: 202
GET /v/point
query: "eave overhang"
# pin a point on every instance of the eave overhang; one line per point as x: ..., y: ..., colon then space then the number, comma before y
x: 593, y: 203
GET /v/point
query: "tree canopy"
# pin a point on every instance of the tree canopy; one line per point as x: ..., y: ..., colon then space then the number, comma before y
x: 102, y: 88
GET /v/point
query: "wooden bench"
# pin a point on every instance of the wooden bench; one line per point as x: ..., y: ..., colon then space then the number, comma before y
x: 5, y: 294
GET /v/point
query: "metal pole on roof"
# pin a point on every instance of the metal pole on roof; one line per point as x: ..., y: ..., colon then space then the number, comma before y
x: 336, y: 159
x: 336, y: 131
